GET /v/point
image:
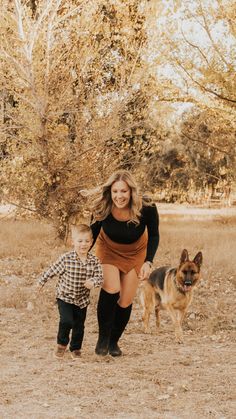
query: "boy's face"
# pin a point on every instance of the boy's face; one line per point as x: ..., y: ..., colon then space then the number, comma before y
x: 82, y: 242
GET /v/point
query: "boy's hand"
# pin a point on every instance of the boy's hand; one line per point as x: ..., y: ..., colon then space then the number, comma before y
x: 89, y: 284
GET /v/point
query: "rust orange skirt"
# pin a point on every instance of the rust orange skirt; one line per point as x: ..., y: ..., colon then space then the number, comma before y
x: 124, y: 256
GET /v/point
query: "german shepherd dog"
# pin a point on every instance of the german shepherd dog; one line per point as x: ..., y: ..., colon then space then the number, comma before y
x: 170, y: 289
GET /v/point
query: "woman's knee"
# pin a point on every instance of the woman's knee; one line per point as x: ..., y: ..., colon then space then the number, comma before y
x: 125, y: 301
x: 129, y: 286
x: 111, y: 281
x: 111, y: 288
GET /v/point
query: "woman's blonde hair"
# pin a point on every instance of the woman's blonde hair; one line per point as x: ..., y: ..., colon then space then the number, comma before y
x: 102, y: 204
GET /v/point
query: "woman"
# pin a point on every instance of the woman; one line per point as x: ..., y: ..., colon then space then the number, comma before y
x: 125, y: 230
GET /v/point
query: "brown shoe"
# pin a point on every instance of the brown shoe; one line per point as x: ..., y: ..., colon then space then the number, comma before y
x: 60, y: 351
x: 75, y: 354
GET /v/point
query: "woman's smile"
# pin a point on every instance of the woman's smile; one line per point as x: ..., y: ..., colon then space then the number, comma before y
x: 120, y: 194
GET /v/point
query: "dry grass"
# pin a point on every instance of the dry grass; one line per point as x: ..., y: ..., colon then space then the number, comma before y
x: 26, y: 238
x: 217, y: 241
x: 28, y: 247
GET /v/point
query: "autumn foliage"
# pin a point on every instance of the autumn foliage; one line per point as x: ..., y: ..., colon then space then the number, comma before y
x: 88, y: 87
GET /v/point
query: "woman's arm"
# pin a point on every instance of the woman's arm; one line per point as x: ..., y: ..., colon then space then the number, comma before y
x: 152, y: 223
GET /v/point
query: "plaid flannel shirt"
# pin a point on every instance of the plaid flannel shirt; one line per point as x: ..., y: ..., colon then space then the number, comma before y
x: 73, y: 273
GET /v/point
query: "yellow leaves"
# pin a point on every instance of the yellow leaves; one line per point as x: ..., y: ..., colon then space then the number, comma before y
x: 60, y: 131
x: 39, y: 183
x: 139, y: 131
x: 223, y: 170
x: 17, y: 162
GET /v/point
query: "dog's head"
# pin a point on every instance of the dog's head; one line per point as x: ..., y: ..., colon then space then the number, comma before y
x: 188, y: 272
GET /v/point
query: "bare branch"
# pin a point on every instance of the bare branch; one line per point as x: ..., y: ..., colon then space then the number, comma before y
x: 49, y: 44
x: 205, y: 143
x: 229, y: 21
x: 207, y: 30
x: 34, y: 33
x: 72, y: 12
x: 206, y: 89
x: 195, y: 47
x: 21, y: 206
x: 21, y: 70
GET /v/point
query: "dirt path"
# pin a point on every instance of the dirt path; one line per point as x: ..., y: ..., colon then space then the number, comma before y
x: 156, y: 377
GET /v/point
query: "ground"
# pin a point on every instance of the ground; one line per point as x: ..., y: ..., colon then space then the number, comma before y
x: 156, y: 377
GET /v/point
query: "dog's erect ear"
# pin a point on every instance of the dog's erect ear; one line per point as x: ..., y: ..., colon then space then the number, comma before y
x: 198, y: 259
x: 184, y: 256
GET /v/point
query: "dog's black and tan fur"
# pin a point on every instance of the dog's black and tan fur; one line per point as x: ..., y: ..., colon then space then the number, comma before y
x: 171, y: 289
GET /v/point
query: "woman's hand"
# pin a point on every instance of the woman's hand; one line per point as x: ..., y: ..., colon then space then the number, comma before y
x: 145, y: 271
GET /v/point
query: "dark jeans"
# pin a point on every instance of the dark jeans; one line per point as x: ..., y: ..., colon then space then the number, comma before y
x: 71, y: 318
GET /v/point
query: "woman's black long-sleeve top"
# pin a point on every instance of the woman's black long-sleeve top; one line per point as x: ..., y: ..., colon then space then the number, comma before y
x: 128, y: 232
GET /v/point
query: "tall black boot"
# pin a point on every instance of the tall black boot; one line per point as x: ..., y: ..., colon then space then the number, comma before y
x: 122, y: 317
x: 105, y: 312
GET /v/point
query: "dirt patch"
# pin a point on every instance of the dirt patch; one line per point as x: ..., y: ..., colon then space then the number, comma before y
x: 156, y: 377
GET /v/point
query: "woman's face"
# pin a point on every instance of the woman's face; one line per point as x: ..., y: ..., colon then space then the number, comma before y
x: 120, y: 194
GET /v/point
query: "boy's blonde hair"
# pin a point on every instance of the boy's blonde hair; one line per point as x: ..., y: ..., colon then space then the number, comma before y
x: 80, y: 228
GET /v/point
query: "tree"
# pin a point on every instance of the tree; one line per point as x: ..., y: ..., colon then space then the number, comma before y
x: 71, y: 68
x: 199, y: 47
x: 194, y: 48
x: 210, y: 165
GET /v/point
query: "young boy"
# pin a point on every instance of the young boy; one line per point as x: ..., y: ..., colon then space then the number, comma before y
x: 78, y: 271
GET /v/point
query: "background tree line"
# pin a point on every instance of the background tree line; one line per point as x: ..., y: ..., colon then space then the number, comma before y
x: 89, y: 87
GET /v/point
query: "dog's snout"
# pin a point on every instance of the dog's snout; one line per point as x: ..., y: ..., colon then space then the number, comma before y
x: 188, y: 282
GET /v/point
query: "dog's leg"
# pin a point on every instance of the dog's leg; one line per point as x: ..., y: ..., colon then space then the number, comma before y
x: 182, y: 316
x: 146, y: 300
x: 146, y: 318
x: 157, y: 311
x: 178, y: 327
x: 176, y: 316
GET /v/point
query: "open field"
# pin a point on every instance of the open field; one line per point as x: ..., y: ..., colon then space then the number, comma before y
x: 156, y: 377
